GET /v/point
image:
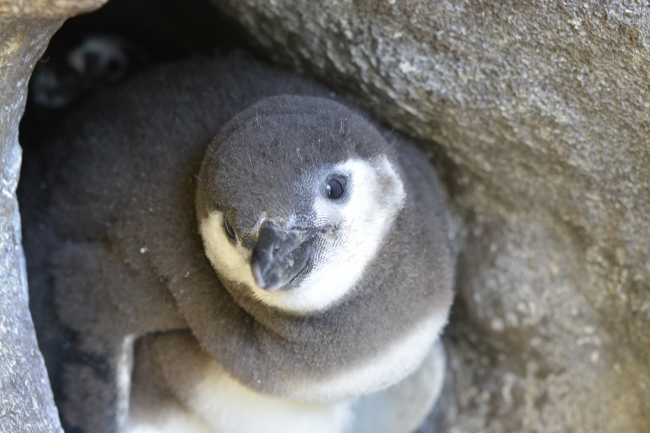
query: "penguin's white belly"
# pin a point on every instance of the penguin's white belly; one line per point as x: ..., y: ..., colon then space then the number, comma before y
x: 229, y: 407
x: 219, y: 404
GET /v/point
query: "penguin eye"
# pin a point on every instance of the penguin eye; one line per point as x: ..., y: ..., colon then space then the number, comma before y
x: 334, y: 188
x: 229, y: 230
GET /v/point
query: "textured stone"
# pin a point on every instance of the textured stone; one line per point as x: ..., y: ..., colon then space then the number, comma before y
x: 26, y: 403
x: 34, y: 10
x: 541, y: 112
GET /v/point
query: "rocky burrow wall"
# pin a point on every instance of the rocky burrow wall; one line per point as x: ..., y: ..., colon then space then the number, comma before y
x: 541, y: 115
x: 542, y: 110
x: 26, y: 403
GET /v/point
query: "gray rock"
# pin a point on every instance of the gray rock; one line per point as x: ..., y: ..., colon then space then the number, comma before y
x: 26, y: 403
x: 542, y: 114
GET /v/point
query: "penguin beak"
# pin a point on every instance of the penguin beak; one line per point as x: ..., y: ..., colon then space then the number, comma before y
x: 279, y: 255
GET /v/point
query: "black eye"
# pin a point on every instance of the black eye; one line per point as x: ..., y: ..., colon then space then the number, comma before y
x: 334, y: 189
x: 229, y: 230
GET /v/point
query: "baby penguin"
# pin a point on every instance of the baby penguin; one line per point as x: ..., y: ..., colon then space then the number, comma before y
x: 233, y: 251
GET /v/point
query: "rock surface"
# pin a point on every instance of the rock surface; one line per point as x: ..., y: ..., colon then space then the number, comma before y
x: 26, y: 403
x: 541, y: 113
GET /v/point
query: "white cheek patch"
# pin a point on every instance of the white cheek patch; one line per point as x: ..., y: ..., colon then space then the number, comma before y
x: 375, y: 194
x: 230, y: 261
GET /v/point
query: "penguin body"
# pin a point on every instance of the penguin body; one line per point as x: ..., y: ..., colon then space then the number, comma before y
x: 225, y: 231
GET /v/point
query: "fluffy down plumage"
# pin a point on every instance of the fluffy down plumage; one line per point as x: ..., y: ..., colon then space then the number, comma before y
x: 149, y: 314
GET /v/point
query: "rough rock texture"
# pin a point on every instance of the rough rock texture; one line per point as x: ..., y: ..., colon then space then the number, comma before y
x: 542, y: 115
x: 26, y: 403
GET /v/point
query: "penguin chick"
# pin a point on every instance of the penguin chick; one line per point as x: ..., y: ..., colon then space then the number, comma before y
x: 240, y: 240
x: 315, y: 241
x: 307, y: 240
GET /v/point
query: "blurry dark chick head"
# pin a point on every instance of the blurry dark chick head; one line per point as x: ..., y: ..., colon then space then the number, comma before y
x: 69, y: 70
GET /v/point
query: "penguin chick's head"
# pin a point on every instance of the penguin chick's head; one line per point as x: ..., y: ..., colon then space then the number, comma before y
x: 295, y: 198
